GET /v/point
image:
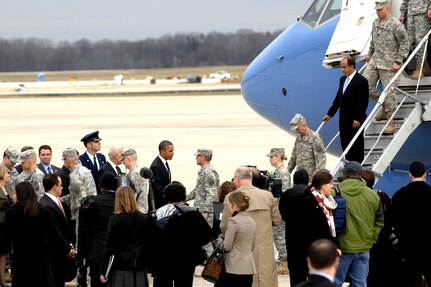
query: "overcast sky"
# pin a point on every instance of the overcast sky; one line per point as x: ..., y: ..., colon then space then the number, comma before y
x: 71, y: 20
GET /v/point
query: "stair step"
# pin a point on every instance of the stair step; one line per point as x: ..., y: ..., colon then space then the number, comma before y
x: 373, y: 157
x: 377, y: 126
x: 384, y: 141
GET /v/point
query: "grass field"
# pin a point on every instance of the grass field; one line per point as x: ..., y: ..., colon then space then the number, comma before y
x: 128, y: 74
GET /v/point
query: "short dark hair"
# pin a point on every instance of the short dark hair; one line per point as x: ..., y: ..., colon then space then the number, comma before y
x: 164, y: 145
x: 174, y: 192
x: 108, y: 181
x: 45, y: 146
x: 322, y: 253
x: 417, y: 169
x: 369, y: 177
x: 49, y: 181
x: 350, y: 61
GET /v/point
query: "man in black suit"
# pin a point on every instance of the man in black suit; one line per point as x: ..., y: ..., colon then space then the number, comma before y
x: 161, y: 172
x: 45, y: 156
x: 113, y: 162
x: 323, y: 263
x: 101, y: 210
x: 352, y: 100
x: 91, y: 158
x: 53, y: 186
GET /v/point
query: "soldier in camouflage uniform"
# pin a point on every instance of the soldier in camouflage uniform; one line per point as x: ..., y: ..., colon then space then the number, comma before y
x: 308, y: 152
x: 31, y: 172
x: 389, y: 46
x: 416, y: 15
x: 10, y: 158
x: 81, y: 183
x: 276, y: 158
x: 207, y: 184
x: 139, y: 184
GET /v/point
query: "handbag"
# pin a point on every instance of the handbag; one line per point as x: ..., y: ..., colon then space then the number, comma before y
x: 214, y: 266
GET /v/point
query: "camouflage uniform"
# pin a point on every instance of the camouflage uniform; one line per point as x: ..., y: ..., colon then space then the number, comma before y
x: 279, y: 231
x: 389, y: 44
x: 415, y: 13
x: 81, y: 185
x: 308, y: 153
x: 10, y: 184
x: 35, y: 177
x: 141, y: 187
x: 205, y: 192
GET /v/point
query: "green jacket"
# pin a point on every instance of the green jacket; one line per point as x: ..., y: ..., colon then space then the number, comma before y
x: 364, y: 216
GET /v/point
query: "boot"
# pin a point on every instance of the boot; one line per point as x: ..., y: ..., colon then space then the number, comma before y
x: 416, y: 73
x: 389, y: 130
x: 282, y: 267
x: 381, y: 115
x: 426, y: 69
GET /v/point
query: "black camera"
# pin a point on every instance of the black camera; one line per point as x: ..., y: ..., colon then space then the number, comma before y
x: 263, y: 180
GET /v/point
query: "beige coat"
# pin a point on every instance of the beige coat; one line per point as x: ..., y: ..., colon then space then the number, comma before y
x: 265, y: 213
x: 239, y: 243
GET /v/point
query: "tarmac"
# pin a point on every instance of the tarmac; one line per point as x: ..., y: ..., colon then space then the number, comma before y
x: 225, y: 123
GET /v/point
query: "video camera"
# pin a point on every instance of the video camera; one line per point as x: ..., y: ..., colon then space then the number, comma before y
x: 263, y: 180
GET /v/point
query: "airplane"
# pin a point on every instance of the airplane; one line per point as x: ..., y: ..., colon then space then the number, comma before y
x: 298, y: 73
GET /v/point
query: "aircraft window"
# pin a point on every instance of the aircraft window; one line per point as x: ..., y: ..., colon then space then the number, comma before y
x: 334, y: 9
x: 313, y: 13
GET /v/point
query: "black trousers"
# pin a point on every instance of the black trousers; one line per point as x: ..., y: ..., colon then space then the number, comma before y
x: 180, y: 278
x: 356, y: 152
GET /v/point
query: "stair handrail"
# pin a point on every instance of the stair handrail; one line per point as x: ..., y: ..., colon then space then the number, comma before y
x: 410, y: 96
x: 380, y: 101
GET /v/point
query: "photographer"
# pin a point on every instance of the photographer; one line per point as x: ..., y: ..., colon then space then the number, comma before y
x: 276, y: 158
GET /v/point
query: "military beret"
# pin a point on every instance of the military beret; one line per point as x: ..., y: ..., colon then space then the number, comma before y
x: 128, y: 152
x: 12, y: 154
x: 91, y: 137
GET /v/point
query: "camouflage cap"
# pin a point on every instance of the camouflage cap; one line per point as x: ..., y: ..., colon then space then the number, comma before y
x: 353, y: 168
x: 204, y: 151
x: 25, y: 155
x: 68, y: 153
x: 12, y: 154
x: 296, y: 121
x: 279, y: 151
x: 381, y: 3
x: 128, y: 152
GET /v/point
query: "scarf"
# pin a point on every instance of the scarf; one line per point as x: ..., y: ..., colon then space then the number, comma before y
x: 327, y: 204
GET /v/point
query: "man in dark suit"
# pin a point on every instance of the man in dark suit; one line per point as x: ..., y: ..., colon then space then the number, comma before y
x: 53, y: 186
x: 91, y: 158
x: 45, y: 156
x: 323, y: 263
x: 113, y: 162
x: 101, y: 210
x: 352, y: 100
x: 161, y: 172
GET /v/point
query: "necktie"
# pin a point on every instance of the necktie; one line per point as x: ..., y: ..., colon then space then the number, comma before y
x: 346, y: 83
x: 169, y: 170
x: 49, y: 170
x: 95, y: 163
x: 61, y: 207
x: 118, y: 170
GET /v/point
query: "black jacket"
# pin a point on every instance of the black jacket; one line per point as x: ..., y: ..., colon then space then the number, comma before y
x: 161, y: 178
x: 315, y: 280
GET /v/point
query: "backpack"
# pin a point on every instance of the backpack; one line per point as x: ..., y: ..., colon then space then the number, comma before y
x: 162, y: 222
x: 339, y: 212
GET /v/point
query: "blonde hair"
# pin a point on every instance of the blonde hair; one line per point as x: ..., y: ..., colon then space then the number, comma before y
x: 240, y: 199
x: 3, y: 171
x: 125, y: 201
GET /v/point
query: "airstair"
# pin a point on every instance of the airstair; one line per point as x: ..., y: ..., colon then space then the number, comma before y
x: 414, y: 107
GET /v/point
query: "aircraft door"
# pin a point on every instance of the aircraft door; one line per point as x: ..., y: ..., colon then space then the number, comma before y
x: 353, y: 32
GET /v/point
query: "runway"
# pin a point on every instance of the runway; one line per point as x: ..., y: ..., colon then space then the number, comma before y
x: 226, y: 124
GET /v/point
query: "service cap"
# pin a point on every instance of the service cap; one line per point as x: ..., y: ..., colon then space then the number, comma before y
x: 91, y: 137
x: 278, y: 151
x: 204, y: 152
x: 25, y: 155
x: 12, y: 154
x: 128, y: 152
x: 381, y: 3
x: 69, y: 152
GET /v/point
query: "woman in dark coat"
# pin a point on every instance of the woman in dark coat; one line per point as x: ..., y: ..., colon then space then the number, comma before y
x: 127, y: 239
x: 5, y: 202
x: 31, y: 234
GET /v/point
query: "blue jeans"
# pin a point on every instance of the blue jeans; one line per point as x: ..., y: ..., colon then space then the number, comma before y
x: 356, y: 266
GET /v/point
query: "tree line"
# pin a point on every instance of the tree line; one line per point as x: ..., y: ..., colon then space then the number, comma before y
x: 169, y: 51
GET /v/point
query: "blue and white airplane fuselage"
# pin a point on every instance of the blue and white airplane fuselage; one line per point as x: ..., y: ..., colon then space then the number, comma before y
x: 288, y: 78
